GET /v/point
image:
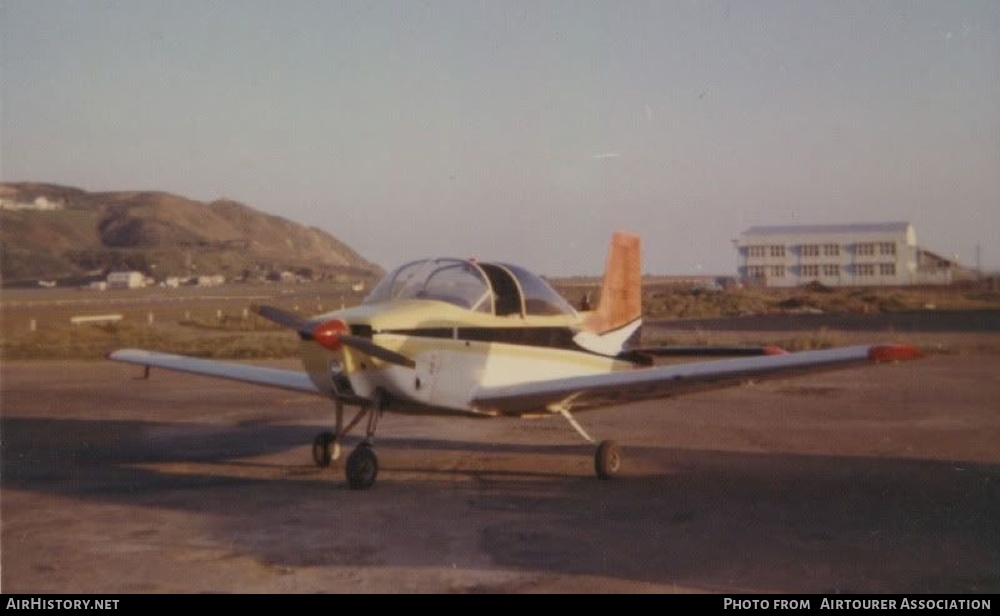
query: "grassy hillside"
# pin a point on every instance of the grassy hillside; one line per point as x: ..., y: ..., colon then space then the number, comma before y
x: 158, y: 233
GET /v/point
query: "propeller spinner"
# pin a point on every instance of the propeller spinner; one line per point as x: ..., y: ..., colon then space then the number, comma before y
x: 333, y: 334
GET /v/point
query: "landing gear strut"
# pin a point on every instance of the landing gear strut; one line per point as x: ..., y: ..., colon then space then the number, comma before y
x: 361, y: 468
x: 607, y: 458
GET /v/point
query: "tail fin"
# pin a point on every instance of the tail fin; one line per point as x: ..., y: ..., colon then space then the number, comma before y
x: 621, y: 292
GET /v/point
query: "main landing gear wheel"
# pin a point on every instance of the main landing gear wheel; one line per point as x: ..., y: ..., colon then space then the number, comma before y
x: 607, y: 460
x: 325, y: 449
x: 362, y: 467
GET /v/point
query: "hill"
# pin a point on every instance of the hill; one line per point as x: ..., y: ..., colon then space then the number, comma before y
x: 57, y: 232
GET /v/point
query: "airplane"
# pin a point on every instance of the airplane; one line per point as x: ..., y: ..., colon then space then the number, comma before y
x: 464, y: 337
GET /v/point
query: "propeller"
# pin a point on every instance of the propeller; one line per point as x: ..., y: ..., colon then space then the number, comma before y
x: 332, y: 335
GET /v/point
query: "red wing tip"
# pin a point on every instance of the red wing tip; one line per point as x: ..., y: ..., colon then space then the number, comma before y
x: 894, y: 352
x: 774, y: 350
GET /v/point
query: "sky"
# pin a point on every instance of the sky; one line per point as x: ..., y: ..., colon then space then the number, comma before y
x: 525, y: 131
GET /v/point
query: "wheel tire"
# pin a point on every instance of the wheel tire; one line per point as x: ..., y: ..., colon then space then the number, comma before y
x: 322, y: 452
x: 607, y: 460
x: 362, y: 467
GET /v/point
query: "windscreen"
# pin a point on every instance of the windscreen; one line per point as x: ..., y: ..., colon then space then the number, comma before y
x: 454, y: 281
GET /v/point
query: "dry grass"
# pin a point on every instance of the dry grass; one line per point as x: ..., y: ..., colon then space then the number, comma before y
x: 94, y: 341
x: 216, y: 322
x: 700, y: 303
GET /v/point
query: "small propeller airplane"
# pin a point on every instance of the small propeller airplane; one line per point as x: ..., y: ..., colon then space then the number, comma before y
x: 461, y: 337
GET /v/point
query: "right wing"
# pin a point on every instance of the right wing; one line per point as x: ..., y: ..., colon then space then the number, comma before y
x: 697, y: 350
x: 270, y: 377
x: 663, y: 381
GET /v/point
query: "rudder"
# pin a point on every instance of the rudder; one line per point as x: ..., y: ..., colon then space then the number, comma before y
x: 620, y: 302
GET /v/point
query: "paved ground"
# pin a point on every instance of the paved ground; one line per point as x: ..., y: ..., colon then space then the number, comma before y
x: 884, y: 479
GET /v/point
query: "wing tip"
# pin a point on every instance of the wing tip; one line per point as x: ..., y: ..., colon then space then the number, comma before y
x: 894, y: 352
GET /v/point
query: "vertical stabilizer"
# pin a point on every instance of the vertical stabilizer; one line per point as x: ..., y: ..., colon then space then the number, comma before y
x: 620, y: 304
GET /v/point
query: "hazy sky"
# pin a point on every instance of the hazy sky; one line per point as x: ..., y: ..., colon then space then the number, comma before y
x: 524, y: 131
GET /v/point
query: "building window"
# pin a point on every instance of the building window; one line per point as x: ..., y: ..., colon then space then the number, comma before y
x: 810, y: 271
x: 831, y: 250
x: 831, y: 271
x: 866, y: 269
x: 810, y: 250
x: 757, y: 251
x: 887, y: 269
x: 778, y: 271
x: 866, y: 250
x: 755, y: 271
x: 777, y: 251
x: 887, y: 248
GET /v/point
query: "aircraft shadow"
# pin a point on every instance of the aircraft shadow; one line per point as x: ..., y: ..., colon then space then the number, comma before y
x: 713, y: 520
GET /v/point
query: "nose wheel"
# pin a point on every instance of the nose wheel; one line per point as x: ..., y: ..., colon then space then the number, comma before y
x: 361, y: 468
x: 326, y: 449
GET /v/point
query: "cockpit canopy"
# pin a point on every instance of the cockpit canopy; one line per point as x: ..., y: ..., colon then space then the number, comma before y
x: 490, y: 288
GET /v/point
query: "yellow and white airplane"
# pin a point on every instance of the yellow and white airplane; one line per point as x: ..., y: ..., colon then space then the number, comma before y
x: 467, y: 338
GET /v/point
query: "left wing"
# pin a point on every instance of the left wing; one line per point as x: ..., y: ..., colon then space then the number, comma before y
x: 271, y: 377
x: 663, y: 381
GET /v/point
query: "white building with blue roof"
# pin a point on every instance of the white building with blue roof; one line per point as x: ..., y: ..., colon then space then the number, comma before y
x: 867, y: 254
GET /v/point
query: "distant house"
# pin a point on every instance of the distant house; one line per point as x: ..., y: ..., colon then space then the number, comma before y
x: 126, y: 280
x: 869, y: 254
x: 39, y: 204
x: 935, y: 269
x: 211, y: 281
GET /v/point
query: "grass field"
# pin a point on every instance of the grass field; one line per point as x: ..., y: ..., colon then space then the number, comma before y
x: 217, y: 321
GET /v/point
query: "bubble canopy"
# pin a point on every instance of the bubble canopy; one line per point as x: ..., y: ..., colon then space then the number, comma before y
x: 491, y: 288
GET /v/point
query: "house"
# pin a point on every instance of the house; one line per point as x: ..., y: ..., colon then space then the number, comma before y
x: 126, y: 280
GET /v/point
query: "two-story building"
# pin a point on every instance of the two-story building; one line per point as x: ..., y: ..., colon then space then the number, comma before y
x: 867, y: 254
